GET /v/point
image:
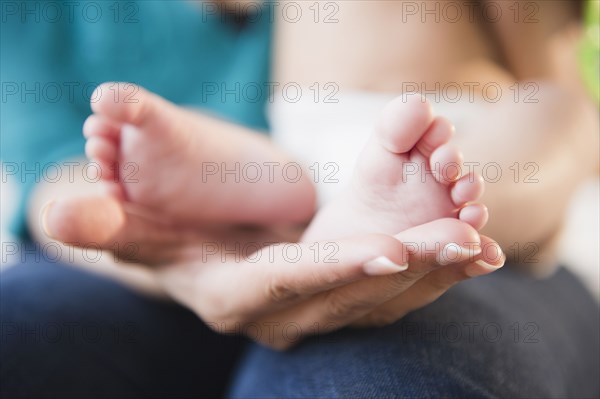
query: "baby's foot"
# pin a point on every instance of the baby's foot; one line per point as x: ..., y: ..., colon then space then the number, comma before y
x: 188, y: 167
x: 407, y: 175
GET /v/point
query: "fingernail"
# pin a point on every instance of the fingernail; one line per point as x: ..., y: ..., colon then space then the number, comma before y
x: 382, y: 266
x: 44, y: 217
x: 489, y: 266
x: 452, y: 253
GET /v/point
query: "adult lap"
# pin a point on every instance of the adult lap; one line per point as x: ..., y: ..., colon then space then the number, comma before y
x: 66, y: 333
x: 504, y: 335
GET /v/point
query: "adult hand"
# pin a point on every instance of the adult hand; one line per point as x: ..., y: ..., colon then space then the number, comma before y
x: 284, y: 292
x: 246, y: 282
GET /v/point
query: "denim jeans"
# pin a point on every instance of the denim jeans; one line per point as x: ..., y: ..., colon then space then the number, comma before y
x: 69, y: 334
x: 499, y: 336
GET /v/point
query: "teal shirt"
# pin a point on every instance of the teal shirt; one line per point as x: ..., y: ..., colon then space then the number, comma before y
x: 53, y: 55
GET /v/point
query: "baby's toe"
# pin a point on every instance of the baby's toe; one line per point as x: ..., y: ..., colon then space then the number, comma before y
x: 475, y: 215
x: 96, y: 125
x: 468, y: 188
x: 446, y: 163
x: 105, y: 153
x: 439, y: 133
x: 403, y: 122
x: 131, y: 104
x: 101, y: 149
x: 123, y: 102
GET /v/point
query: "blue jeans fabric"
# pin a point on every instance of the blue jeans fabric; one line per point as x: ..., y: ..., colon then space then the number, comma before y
x: 67, y: 334
x: 500, y: 336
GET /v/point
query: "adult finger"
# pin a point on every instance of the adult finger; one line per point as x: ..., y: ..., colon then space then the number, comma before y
x: 105, y: 223
x: 435, y: 284
x: 278, y: 275
x: 431, y: 246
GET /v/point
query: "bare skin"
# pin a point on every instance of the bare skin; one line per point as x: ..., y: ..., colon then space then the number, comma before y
x: 383, y: 198
x: 377, y: 279
x: 188, y: 166
x: 170, y: 147
x: 423, y: 282
x: 558, y: 134
x: 228, y: 290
